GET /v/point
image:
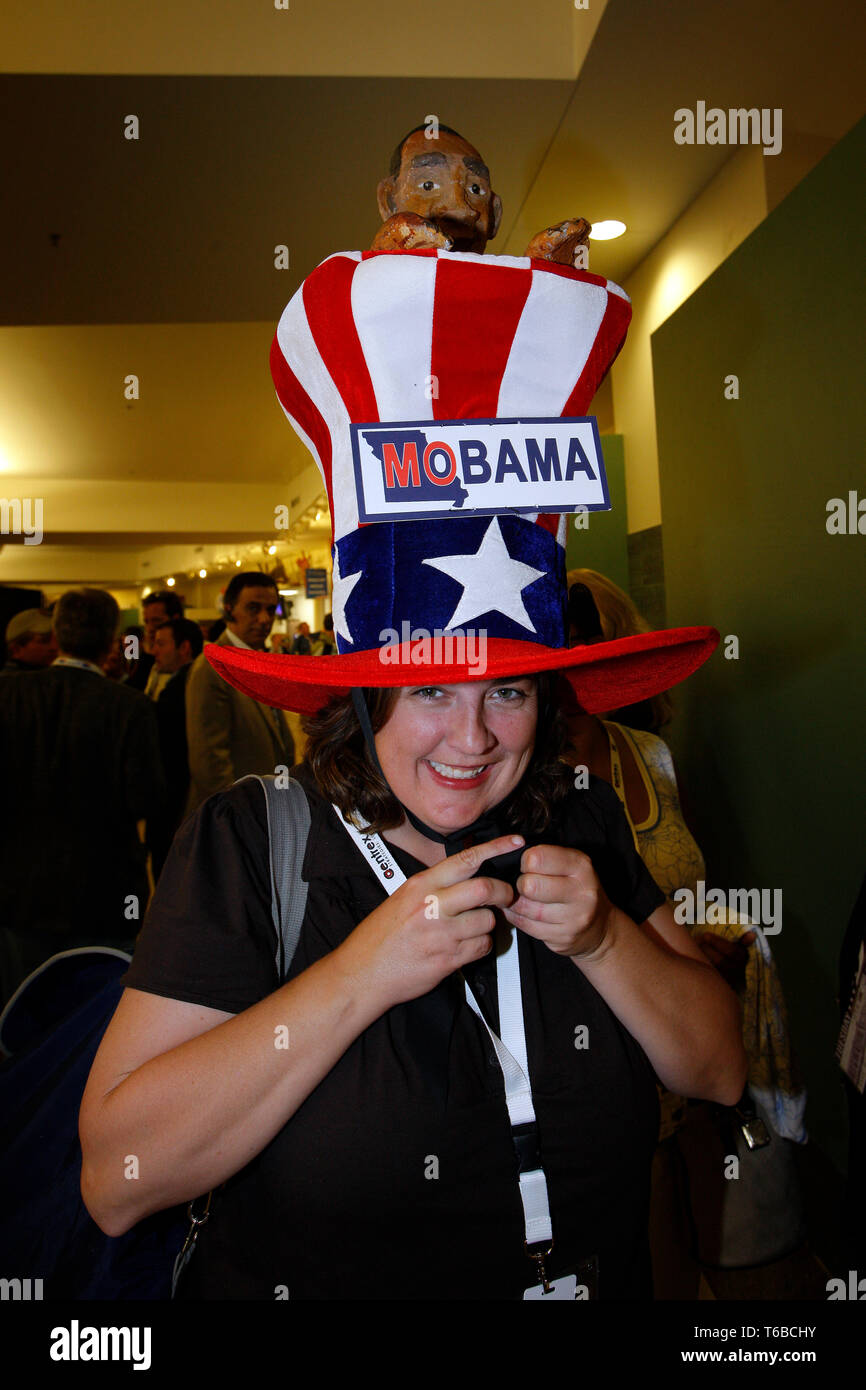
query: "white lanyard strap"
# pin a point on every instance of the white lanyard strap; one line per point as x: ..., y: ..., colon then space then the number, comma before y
x: 383, y: 864
x: 512, y: 1058
x: 510, y: 1049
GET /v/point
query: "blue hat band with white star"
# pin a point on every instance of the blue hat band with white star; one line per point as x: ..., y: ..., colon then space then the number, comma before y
x: 501, y: 575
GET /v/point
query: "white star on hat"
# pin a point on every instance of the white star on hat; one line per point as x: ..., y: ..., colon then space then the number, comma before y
x: 343, y: 586
x: 492, y: 581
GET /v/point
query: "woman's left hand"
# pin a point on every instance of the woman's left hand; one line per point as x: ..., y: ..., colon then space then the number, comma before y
x: 561, y: 901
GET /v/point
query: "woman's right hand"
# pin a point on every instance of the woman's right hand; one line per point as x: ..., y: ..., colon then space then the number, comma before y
x: 435, y: 923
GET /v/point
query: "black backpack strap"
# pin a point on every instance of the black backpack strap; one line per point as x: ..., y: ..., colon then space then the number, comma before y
x: 288, y: 829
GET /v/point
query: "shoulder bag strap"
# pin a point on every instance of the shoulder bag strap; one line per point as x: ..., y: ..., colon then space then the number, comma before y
x: 288, y: 829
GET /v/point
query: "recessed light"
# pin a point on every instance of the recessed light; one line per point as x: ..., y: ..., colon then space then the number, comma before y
x: 606, y: 231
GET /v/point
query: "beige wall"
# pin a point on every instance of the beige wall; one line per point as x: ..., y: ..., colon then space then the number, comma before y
x: 508, y: 38
x: 745, y: 190
x: 732, y: 205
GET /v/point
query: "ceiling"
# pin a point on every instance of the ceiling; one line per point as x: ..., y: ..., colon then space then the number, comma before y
x: 264, y: 127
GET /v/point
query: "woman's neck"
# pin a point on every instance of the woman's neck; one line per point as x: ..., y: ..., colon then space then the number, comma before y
x: 406, y: 837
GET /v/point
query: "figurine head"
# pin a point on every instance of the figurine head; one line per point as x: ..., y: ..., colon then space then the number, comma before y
x: 445, y: 181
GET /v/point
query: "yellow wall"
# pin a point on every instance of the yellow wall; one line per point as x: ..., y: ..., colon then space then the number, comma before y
x: 502, y: 38
x: 730, y: 207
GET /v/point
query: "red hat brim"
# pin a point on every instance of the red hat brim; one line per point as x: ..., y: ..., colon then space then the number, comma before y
x: 604, y: 675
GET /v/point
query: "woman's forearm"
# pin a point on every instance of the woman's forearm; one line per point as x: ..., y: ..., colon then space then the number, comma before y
x: 681, y: 1012
x: 193, y: 1096
x: 198, y: 1113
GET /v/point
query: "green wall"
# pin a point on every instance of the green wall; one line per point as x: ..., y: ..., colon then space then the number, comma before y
x: 771, y: 746
x: 603, y: 546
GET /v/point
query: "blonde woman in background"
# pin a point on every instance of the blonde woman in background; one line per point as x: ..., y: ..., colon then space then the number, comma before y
x: 616, y: 616
x: 637, y: 763
x: 734, y: 1231
x: 639, y: 766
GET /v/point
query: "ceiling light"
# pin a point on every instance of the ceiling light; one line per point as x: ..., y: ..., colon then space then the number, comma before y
x: 237, y: 564
x: 272, y: 550
x: 606, y: 231
x: 202, y: 574
x: 170, y: 582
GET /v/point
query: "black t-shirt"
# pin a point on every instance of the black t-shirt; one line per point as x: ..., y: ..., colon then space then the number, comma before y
x: 397, y: 1177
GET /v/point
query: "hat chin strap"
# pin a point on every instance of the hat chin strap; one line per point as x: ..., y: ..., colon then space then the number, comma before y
x: 486, y: 827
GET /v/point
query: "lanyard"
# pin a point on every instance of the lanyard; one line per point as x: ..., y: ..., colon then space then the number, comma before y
x: 510, y: 1052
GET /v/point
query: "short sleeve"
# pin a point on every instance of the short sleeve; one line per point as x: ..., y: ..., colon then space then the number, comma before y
x: 209, y: 936
x: 621, y: 871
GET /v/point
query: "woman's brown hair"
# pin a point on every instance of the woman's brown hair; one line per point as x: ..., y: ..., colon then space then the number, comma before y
x: 344, y: 770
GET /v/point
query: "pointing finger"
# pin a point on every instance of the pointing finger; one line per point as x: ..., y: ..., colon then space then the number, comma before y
x: 466, y: 863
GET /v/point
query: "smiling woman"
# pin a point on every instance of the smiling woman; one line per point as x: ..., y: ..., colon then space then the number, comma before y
x: 495, y: 716
x: 328, y: 1147
x: 486, y: 979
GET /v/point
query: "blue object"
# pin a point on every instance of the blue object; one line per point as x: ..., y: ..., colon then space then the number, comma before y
x: 53, y: 1026
x: 50, y: 1032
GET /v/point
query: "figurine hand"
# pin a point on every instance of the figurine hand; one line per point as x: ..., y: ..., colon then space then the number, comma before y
x: 560, y: 243
x: 406, y: 231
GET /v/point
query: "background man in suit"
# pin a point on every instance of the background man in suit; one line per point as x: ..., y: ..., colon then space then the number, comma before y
x: 229, y: 734
x: 176, y: 644
x: 301, y: 644
x: 30, y: 642
x: 157, y: 608
x: 323, y: 643
x: 81, y: 769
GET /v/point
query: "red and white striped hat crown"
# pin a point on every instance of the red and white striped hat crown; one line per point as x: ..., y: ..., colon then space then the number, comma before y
x: 403, y: 339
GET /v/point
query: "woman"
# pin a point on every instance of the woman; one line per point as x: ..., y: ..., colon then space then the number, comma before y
x: 374, y: 1152
x: 639, y: 766
x: 610, y: 613
x: 396, y: 1148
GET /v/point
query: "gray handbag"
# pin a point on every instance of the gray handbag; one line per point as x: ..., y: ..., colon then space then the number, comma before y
x: 749, y: 1212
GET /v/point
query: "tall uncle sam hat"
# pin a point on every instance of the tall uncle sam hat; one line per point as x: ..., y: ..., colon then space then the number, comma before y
x: 443, y: 396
